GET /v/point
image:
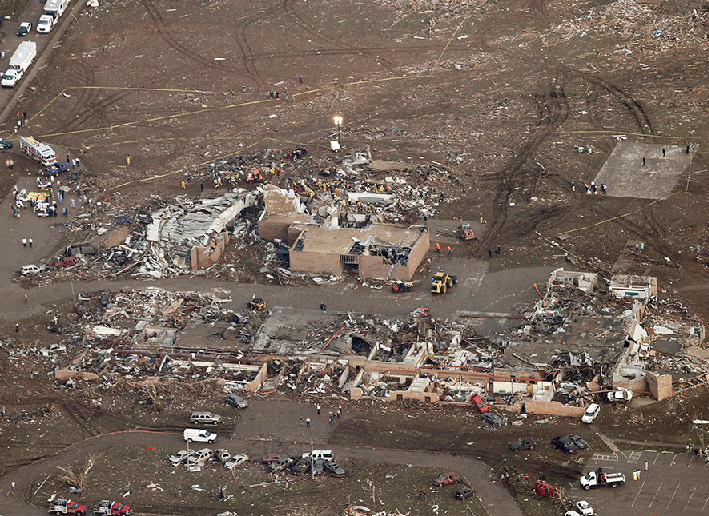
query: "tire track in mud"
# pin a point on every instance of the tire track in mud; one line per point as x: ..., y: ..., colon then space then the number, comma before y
x: 290, y: 11
x: 553, y: 111
x: 164, y: 33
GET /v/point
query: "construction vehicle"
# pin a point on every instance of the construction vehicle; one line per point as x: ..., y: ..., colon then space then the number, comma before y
x: 112, y: 508
x: 37, y: 150
x: 465, y: 232
x: 441, y: 282
x: 61, y: 506
x: 257, y: 304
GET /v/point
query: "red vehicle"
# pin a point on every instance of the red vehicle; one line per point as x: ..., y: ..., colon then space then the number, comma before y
x: 67, y: 261
x: 110, y: 508
x: 544, y: 489
x: 446, y: 479
x: 267, y: 459
x: 479, y: 403
x: 62, y: 506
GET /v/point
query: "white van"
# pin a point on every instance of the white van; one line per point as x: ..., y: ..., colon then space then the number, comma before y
x: 45, y: 23
x: 197, y: 435
x: 320, y: 454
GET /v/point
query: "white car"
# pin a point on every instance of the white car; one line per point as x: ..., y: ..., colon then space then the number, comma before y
x: 45, y: 23
x: 236, y: 460
x: 591, y: 413
x: 585, y: 508
x: 571, y: 513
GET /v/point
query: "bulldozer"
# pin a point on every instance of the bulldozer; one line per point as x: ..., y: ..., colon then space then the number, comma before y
x: 257, y: 304
x: 441, y: 282
x: 465, y: 232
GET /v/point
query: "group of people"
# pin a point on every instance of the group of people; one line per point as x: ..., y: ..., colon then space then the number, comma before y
x: 594, y: 189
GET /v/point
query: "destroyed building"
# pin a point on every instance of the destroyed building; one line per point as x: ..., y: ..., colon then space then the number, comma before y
x: 374, y: 251
x: 194, y: 235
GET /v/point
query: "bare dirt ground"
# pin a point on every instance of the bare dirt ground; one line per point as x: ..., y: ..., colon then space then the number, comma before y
x: 499, y: 94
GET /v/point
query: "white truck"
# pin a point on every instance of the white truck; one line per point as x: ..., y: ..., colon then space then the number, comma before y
x: 19, y: 63
x: 45, y: 23
x: 37, y: 150
x: 599, y: 478
x: 55, y: 8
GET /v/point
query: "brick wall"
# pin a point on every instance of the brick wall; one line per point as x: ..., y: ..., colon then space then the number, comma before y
x: 315, y: 262
x: 553, y: 408
x: 660, y: 386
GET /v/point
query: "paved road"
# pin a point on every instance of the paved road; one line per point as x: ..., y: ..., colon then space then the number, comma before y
x: 273, y: 426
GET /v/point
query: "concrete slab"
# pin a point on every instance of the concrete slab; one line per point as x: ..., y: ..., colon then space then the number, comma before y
x: 625, y: 175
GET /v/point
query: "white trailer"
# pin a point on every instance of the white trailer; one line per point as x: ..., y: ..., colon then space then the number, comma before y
x: 55, y: 8
x: 37, y: 150
x: 19, y: 63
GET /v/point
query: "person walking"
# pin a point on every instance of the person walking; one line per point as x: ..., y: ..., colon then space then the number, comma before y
x: 307, y: 422
x: 318, y: 410
x: 438, y: 248
x: 24, y: 242
x: 12, y: 487
x: 17, y: 327
x: 489, y: 253
x: 449, y: 250
x: 30, y: 242
x: 201, y: 187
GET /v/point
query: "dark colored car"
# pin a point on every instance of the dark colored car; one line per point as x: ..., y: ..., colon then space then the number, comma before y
x: 235, y: 401
x: 580, y: 443
x: 24, y: 28
x: 492, y: 419
x: 463, y: 493
x: 526, y: 443
x: 564, y: 444
x: 318, y: 466
x: 56, y: 169
x: 301, y: 467
x: 6, y: 144
x: 446, y: 478
x: 334, y: 469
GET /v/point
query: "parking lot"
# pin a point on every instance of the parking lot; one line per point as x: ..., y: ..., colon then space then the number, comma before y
x: 674, y: 483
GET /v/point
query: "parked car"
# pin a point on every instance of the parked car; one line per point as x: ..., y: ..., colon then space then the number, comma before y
x: 200, y: 436
x: 564, y: 444
x: 222, y: 455
x: 334, y: 469
x: 492, y: 419
x: 571, y: 513
x: 6, y: 144
x: 525, y: 443
x: 205, y: 418
x: 267, y: 459
x: 446, y: 479
x: 236, y: 401
x: 591, y: 413
x: 24, y: 28
x: 236, y: 460
x: 301, y: 467
x: 580, y: 443
x: 280, y: 464
x: 463, y: 493
x: 318, y: 466
x: 585, y: 508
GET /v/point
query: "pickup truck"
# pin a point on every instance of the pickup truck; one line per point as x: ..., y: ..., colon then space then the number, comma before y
x: 599, y: 478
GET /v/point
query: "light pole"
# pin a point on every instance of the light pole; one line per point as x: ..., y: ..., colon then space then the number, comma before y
x: 338, y: 123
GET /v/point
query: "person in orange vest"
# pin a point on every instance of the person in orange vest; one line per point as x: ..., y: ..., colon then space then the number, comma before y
x: 438, y: 247
x: 449, y: 250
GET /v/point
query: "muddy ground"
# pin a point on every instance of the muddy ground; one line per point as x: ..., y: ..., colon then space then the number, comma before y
x: 497, y: 94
